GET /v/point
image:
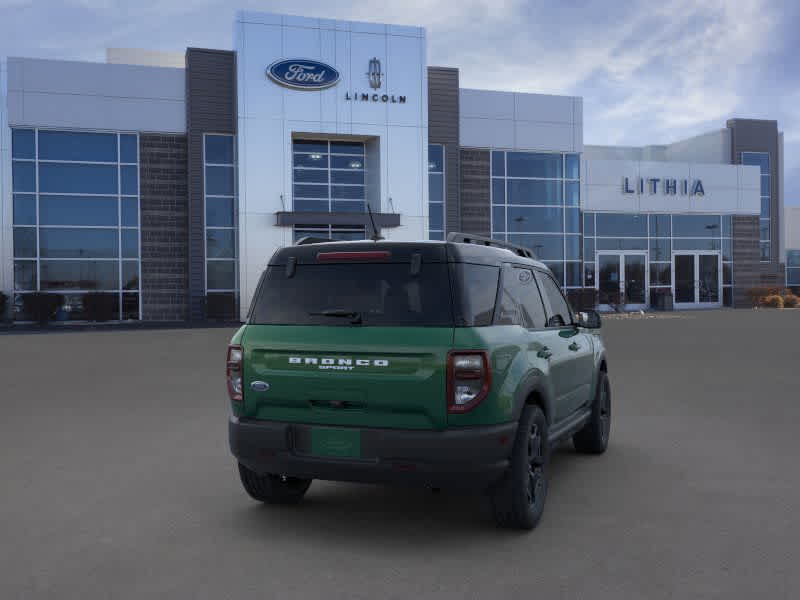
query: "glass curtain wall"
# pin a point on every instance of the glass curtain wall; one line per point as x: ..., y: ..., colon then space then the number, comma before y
x: 536, y: 204
x: 436, y: 192
x: 76, y: 220
x: 328, y: 176
x: 761, y: 160
x: 793, y: 268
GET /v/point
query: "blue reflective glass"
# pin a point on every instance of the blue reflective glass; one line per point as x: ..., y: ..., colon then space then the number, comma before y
x: 765, y: 207
x: 530, y: 164
x: 219, y: 149
x: 310, y: 191
x: 436, y: 216
x: 624, y: 225
x: 23, y: 143
x: 435, y: 158
x: 23, y: 176
x: 545, y: 247
x: 311, y: 205
x: 572, y: 247
x: 572, y: 274
x: 572, y: 191
x: 793, y: 258
x: 588, y: 274
x: 660, y: 249
x: 727, y: 225
x: 345, y: 162
x: 621, y: 244
x: 695, y: 225
x: 219, y: 212
x: 128, y: 148
x: 311, y: 175
x: 498, y: 218
x: 220, y: 243
x: 347, y: 148
x: 765, y: 185
x: 765, y: 250
x: 759, y: 159
x: 348, y: 206
x: 660, y: 226
x: 25, y: 242
x: 347, y: 192
x: 347, y: 235
x: 498, y: 191
x: 498, y: 163
x: 77, y: 179
x: 221, y: 274
x: 130, y: 275
x: 25, y: 275
x: 535, y: 220
x: 219, y: 181
x: 310, y: 146
x: 558, y: 271
x: 695, y: 244
x: 588, y: 249
x: 727, y: 249
x: 572, y: 220
x: 528, y: 191
x: 763, y: 228
x: 573, y: 166
x: 793, y: 277
x: 129, y: 180
x: 130, y: 212
x: 77, y: 210
x: 80, y: 146
x: 79, y: 275
x: 436, y: 187
x: 78, y: 243
x: 588, y: 224
x: 357, y: 177
x: 318, y: 161
x: 130, y: 243
x: 24, y: 209
x: 436, y: 235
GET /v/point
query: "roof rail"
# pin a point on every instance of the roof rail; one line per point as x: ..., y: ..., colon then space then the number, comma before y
x: 468, y: 238
x: 310, y: 239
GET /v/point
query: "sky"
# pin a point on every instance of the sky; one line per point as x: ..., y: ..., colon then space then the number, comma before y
x: 649, y: 72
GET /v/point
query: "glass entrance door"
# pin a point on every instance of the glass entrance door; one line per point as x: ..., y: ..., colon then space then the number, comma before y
x: 622, y: 280
x: 697, y: 279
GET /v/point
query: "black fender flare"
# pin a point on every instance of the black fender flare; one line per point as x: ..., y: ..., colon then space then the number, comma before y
x: 533, y: 382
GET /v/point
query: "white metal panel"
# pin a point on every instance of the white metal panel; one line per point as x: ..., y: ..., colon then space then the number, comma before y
x: 486, y: 133
x: 259, y: 96
x: 329, y: 98
x: 364, y: 47
x: 539, y: 135
x: 370, y: 28
x: 542, y: 107
x: 6, y: 205
x: 404, y: 151
x: 261, y: 158
x: 486, y: 104
x: 404, y: 77
x: 344, y: 109
x: 301, y: 105
x: 261, y: 18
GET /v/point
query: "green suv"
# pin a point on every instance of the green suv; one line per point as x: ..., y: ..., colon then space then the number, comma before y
x: 445, y: 364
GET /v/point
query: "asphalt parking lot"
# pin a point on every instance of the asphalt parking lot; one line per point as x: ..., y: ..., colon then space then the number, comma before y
x: 117, y: 482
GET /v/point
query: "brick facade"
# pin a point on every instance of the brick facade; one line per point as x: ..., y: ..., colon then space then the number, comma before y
x: 165, y: 227
x: 476, y: 203
x: 746, y: 253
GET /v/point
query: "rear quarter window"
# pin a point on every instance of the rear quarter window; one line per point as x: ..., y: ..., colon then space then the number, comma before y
x: 477, y: 286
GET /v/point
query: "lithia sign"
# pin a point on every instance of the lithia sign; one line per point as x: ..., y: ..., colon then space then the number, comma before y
x: 669, y: 187
x: 306, y: 74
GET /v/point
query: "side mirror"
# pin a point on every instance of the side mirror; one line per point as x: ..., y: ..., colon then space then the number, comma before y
x: 590, y: 319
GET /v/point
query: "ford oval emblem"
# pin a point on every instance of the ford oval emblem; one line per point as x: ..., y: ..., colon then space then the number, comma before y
x: 303, y: 74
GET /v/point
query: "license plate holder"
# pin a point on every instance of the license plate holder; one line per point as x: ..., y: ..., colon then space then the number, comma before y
x: 331, y: 442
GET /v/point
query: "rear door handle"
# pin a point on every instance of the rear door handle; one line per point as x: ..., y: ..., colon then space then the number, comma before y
x: 544, y: 352
x: 574, y: 347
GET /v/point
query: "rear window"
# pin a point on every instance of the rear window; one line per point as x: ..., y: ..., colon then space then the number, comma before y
x: 355, y: 295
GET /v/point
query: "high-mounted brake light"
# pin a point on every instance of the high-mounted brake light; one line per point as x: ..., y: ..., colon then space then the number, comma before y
x: 233, y: 372
x: 367, y: 255
x: 469, y: 378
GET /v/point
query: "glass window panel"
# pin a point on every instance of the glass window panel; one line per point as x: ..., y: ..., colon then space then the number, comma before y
x: 660, y: 226
x: 219, y: 181
x: 310, y: 191
x: 130, y: 307
x: 623, y: 225
x: 588, y: 249
x: 79, y: 275
x: 500, y: 236
x: 763, y: 229
x: 498, y: 218
x: 765, y: 185
x: 348, y: 206
x: 436, y: 187
x: 759, y: 159
x: 793, y: 258
x: 219, y: 212
x: 695, y: 244
x: 311, y: 205
x: 765, y: 207
x: 77, y: 210
x: 347, y: 235
x: 310, y: 146
x: 498, y: 163
x: 765, y: 250
x: 558, y: 271
x: 727, y: 226
x: 347, y: 192
x: 573, y: 274
x: 572, y: 220
x: 572, y: 190
x: 545, y: 247
x: 727, y: 296
x: 129, y: 180
x: 23, y: 143
x: 130, y: 243
x: 358, y: 177
x: 696, y: 225
x: 315, y: 160
x: 347, y: 148
x: 588, y: 224
x: 532, y: 164
x: 57, y: 242
x: 435, y: 158
x: 660, y: 249
x: 130, y: 212
x: 621, y: 244
x: 23, y: 176
x: 311, y: 175
x: 526, y: 191
x: 77, y: 145
x: 25, y: 275
x: 535, y: 219
x: 573, y: 166
x: 130, y: 274
x: 572, y: 246
x: 219, y: 149
x: 25, y: 242
x: 436, y: 235
x: 661, y: 274
x: 24, y: 209
x: 343, y: 162
x: 221, y: 275
x: 727, y: 273
x: 727, y: 249
x: 77, y: 179
x: 793, y: 277
x: 220, y: 243
x: 436, y: 216
x: 588, y: 274
x: 498, y: 191
x: 128, y: 148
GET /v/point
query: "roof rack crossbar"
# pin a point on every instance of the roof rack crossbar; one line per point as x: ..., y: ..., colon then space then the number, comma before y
x: 468, y: 238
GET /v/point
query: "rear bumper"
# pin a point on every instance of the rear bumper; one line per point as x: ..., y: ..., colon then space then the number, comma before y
x: 469, y: 457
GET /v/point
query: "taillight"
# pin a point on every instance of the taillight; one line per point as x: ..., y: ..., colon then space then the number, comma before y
x: 233, y: 373
x: 469, y: 378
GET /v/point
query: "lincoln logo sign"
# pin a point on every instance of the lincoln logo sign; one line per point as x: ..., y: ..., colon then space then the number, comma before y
x: 302, y: 74
x: 669, y: 187
x: 337, y: 364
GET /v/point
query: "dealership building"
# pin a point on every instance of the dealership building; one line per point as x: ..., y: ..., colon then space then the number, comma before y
x: 168, y: 180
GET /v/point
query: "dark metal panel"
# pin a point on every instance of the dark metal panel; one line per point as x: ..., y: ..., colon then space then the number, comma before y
x: 443, y: 128
x: 336, y: 218
x: 475, y: 196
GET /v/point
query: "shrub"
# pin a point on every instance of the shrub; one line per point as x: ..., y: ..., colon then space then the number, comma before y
x: 3, y: 306
x: 99, y: 306
x: 41, y: 306
x: 773, y: 301
x: 790, y: 301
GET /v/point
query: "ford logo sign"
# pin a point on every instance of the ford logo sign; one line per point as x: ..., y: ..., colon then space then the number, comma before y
x: 303, y: 74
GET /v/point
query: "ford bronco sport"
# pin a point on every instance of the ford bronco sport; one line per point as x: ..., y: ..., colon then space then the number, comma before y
x: 455, y: 363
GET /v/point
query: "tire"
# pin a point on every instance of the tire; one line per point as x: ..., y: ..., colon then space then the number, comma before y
x: 273, y: 489
x: 593, y: 438
x: 518, y: 501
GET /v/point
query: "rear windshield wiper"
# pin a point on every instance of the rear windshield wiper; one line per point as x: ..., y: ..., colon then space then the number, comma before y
x: 354, y: 316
